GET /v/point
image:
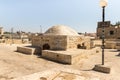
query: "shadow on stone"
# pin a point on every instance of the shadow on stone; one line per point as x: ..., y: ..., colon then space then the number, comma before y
x: 87, y: 70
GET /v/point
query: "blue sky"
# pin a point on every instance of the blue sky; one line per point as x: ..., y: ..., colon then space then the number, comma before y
x: 81, y: 15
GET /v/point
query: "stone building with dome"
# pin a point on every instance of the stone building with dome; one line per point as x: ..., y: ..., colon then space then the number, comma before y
x: 61, y: 37
x: 60, y: 44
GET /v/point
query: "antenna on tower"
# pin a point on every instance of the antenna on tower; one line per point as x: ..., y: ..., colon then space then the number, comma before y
x: 12, y: 35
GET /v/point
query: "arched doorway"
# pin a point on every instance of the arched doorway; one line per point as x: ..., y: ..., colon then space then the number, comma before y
x: 46, y: 47
x: 79, y: 46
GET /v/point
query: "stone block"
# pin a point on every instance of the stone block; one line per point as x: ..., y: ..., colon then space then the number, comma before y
x: 69, y: 56
x: 43, y: 78
x: 56, y: 56
x: 118, y: 48
x: 29, y: 50
x: 102, y: 68
x: 24, y: 50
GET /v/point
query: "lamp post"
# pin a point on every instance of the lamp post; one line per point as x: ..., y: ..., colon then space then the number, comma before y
x: 103, y: 68
x: 103, y: 4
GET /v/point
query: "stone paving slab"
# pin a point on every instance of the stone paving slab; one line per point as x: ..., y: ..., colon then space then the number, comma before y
x: 58, y: 74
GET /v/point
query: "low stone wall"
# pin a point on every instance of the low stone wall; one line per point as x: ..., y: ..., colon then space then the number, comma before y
x: 2, y: 40
x: 118, y: 48
x: 84, y: 54
x: 55, y: 56
x: 97, y: 42
x: 29, y: 50
x: 110, y: 45
x: 25, y: 50
x: 68, y: 57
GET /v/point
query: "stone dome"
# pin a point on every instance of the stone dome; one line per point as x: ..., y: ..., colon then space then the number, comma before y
x: 60, y: 30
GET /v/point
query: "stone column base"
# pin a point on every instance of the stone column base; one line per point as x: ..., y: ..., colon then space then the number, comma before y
x: 118, y: 54
x: 102, y: 68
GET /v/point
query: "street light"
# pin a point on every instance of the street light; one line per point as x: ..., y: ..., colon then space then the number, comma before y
x: 103, y: 4
x: 103, y: 68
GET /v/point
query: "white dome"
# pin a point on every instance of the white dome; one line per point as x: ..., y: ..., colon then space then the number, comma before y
x: 60, y: 30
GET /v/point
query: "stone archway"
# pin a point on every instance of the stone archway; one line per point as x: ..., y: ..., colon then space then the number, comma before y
x: 79, y: 46
x: 46, y: 47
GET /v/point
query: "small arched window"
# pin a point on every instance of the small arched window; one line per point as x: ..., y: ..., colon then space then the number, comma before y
x: 46, y: 47
x: 111, y: 32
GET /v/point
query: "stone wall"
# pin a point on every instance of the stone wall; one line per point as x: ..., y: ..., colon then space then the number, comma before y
x: 26, y: 50
x: 29, y: 50
x: 70, y: 56
x: 74, y: 41
x: 112, y: 44
x: 110, y: 32
x: 88, y: 42
x: 118, y: 48
x: 60, y: 42
x: 58, y: 57
x: 54, y: 42
x: 1, y: 31
x: 15, y: 41
x: 36, y: 41
x: 97, y: 42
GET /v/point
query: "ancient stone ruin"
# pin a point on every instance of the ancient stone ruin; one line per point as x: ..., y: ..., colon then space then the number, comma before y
x: 60, y: 43
x: 61, y: 37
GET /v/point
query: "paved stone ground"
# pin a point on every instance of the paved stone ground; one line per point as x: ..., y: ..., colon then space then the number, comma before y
x: 57, y: 74
x: 14, y: 64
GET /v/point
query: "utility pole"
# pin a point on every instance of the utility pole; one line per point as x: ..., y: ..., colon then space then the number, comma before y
x: 12, y: 36
x: 40, y: 29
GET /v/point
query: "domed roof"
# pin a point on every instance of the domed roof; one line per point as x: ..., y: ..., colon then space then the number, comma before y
x: 60, y: 30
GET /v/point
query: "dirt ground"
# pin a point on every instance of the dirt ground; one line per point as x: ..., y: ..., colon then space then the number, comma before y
x: 14, y: 64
